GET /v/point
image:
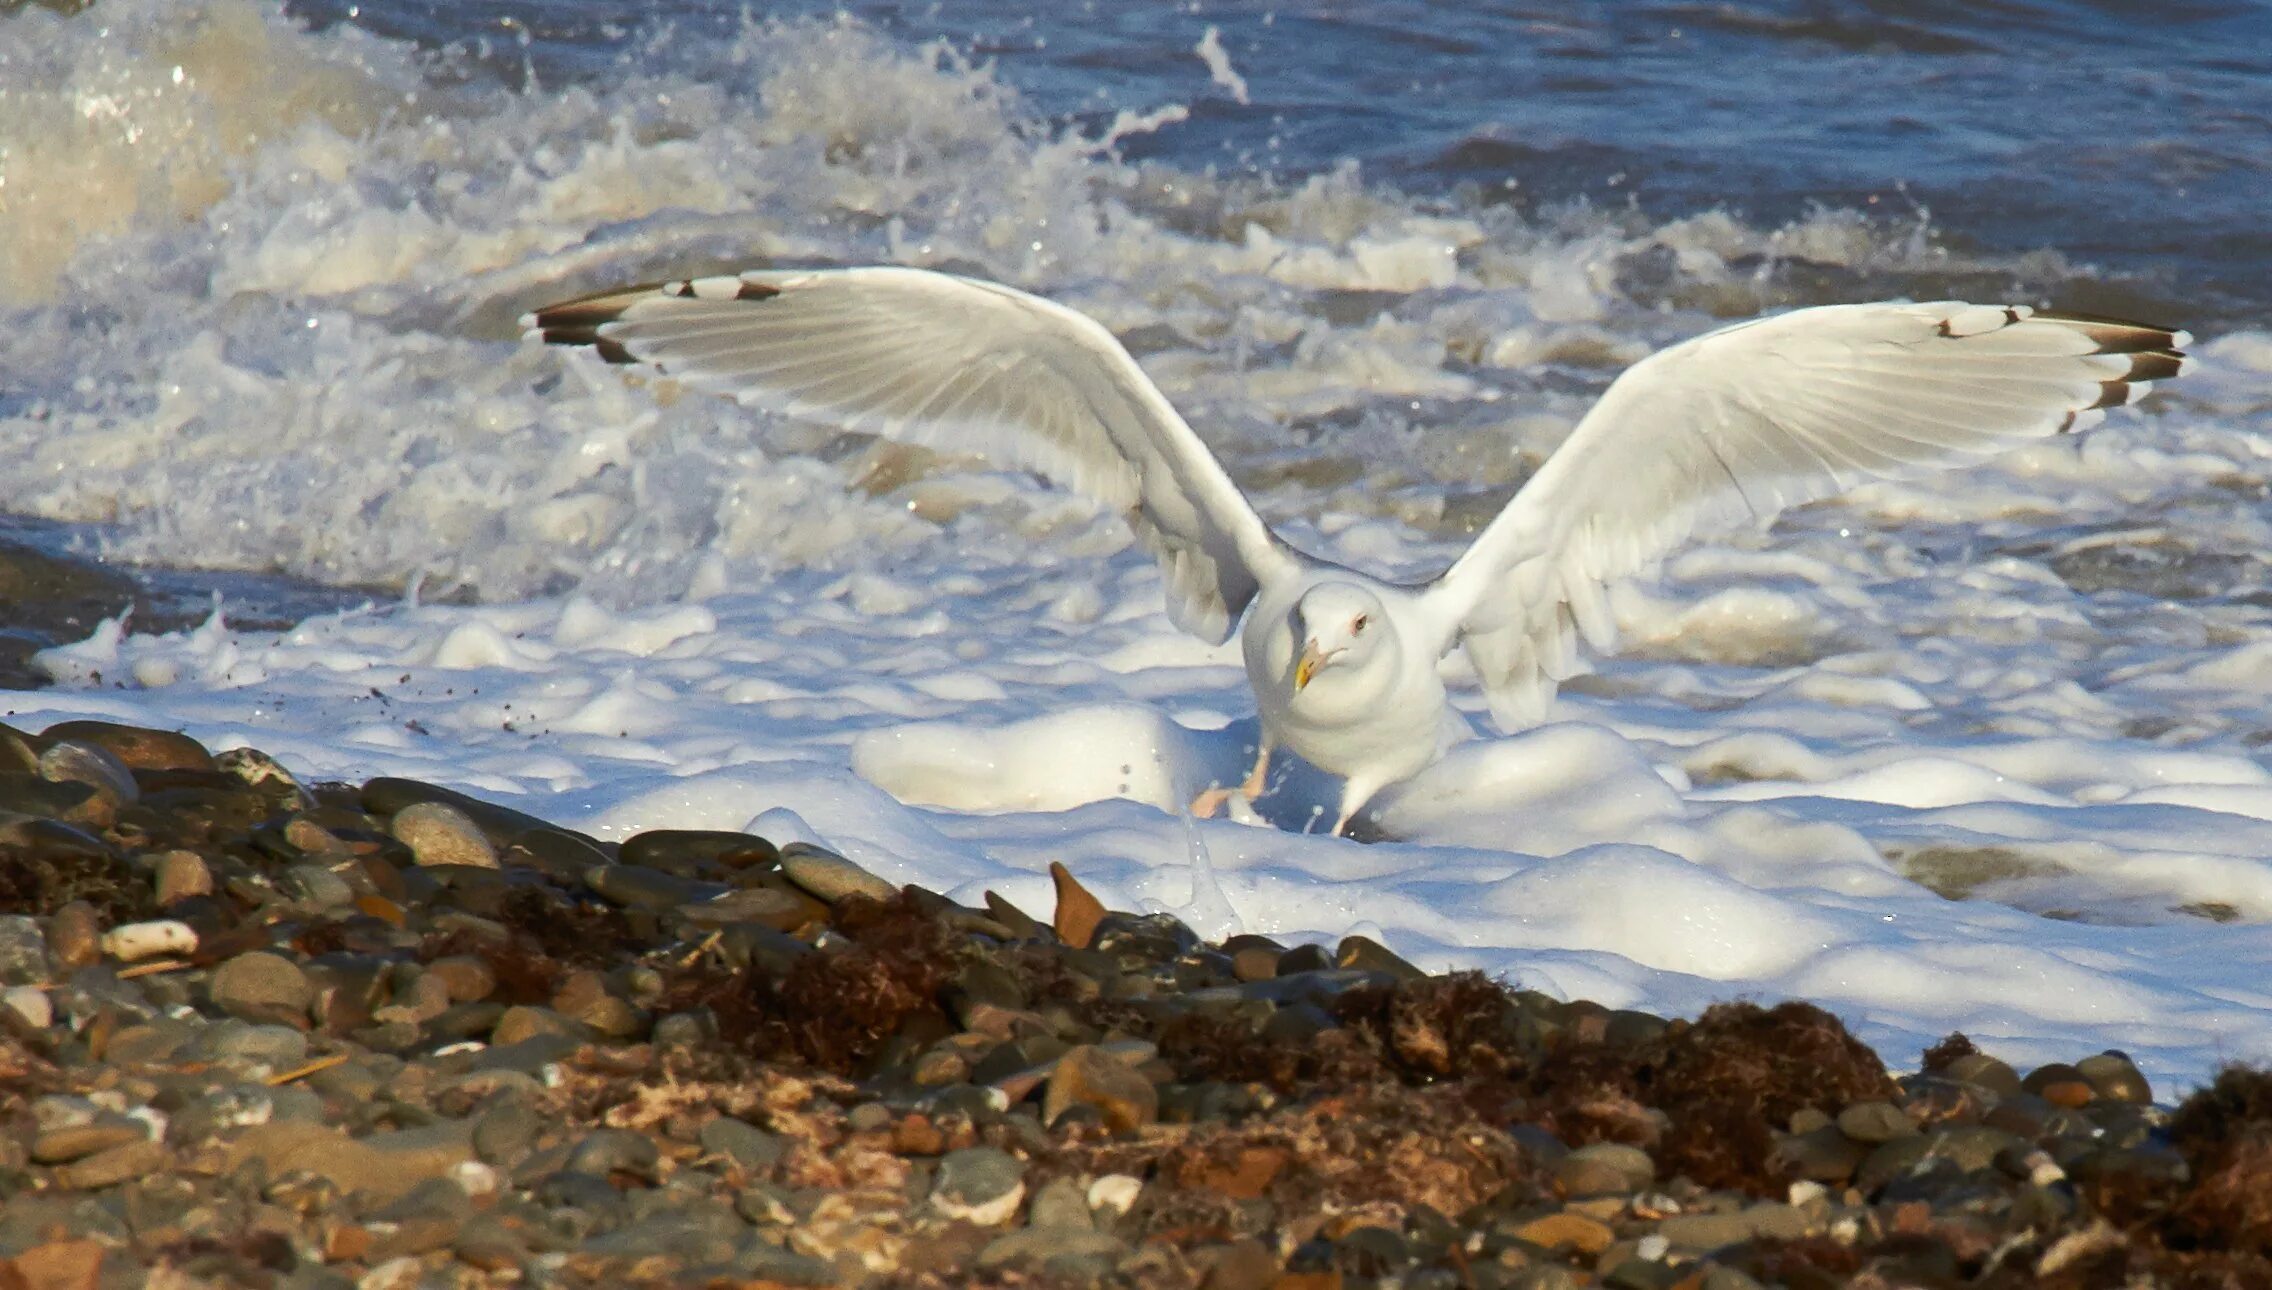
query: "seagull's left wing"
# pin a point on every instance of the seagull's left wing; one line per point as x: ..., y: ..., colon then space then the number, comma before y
x: 1750, y: 419
x: 964, y: 366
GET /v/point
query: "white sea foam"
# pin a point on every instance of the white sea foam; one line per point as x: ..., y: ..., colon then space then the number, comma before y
x: 1975, y: 752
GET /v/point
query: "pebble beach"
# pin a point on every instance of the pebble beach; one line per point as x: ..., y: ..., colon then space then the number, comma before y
x: 272, y: 1033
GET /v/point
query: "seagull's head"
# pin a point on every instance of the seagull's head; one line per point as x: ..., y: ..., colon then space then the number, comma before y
x: 1341, y: 633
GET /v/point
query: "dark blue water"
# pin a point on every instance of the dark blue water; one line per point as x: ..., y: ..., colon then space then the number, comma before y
x: 2135, y: 141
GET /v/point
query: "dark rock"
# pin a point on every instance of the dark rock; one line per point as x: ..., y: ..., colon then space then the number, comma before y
x: 981, y: 1185
x: 742, y: 1142
x: 616, y: 1151
x: 139, y: 748
x: 568, y: 858
x: 1871, y: 1123
x: 1365, y: 954
x: 635, y: 887
x: 2114, y: 1077
x: 389, y: 796
x: 694, y: 852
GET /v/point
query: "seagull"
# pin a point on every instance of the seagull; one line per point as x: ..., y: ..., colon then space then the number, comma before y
x: 1733, y: 424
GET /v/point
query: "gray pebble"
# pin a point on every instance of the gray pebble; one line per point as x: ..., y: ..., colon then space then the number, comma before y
x: 315, y: 886
x: 277, y: 1047
x: 1826, y: 1155
x: 23, y: 951
x: 505, y: 1132
x: 636, y: 887
x: 771, y: 1263
x: 687, y: 851
x: 182, y: 874
x: 1700, y: 1233
x: 2114, y: 1077
x: 1069, y: 1252
x: 616, y: 1151
x: 1624, y: 1168
x: 1061, y: 1202
x: 1972, y: 1146
x: 261, y: 986
x: 980, y: 1184
x: 70, y: 761
x: 1874, y: 1122
x: 742, y: 1142
x: 1979, y: 1068
x: 685, y: 1031
x: 440, y: 834
x: 830, y: 877
x: 528, y: 1021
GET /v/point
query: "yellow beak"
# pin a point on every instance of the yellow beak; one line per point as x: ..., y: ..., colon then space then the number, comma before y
x: 1307, y: 665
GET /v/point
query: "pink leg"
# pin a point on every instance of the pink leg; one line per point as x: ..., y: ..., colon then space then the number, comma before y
x: 1213, y: 800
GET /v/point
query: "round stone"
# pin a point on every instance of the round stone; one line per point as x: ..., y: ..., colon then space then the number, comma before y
x: 741, y: 1142
x: 261, y: 986
x: 464, y: 977
x: 616, y: 1151
x: 980, y: 1185
x: 1088, y: 1076
x: 1874, y: 1122
x: 1602, y: 1168
x: 29, y: 1003
x: 23, y: 950
x: 440, y: 834
x: 2114, y: 1077
x: 182, y: 874
x: 70, y: 761
x: 75, y: 935
x: 1979, y: 1068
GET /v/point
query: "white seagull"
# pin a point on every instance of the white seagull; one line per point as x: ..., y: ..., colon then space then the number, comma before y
x: 1739, y: 422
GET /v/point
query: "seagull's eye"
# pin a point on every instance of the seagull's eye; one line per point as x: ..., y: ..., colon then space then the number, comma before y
x: 1357, y: 624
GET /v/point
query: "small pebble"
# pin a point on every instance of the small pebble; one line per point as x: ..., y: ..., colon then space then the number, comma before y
x: 980, y: 1185
x: 31, y: 1004
x: 182, y: 874
x: 440, y: 834
x: 829, y: 877
x: 1115, y: 1194
x: 1088, y: 1076
x: 133, y: 942
x: 75, y: 937
x: 261, y: 986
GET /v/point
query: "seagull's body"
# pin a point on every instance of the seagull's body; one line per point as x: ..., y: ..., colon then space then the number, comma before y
x: 1741, y: 421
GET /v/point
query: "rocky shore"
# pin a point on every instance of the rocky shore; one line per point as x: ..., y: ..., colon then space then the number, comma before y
x: 261, y: 1033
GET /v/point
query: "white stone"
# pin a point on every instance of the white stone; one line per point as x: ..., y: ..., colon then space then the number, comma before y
x: 1115, y: 1192
x: 129, y: 942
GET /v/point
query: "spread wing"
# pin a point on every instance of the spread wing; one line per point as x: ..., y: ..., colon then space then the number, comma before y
x: 966, y: 367
x: 1744, y: 421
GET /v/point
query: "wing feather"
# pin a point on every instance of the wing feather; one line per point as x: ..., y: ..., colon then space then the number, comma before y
x: 966, y: 367
x: 1753, y: 418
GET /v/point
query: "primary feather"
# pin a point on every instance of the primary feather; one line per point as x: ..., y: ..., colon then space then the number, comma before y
x: 964, y: 366
x: 1744, y: 421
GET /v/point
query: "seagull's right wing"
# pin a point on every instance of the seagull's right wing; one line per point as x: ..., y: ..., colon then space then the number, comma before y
x: 1759, y: 416
x: 964, y: 366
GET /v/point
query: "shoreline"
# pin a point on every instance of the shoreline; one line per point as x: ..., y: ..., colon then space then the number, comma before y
x: 265, y: 1033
